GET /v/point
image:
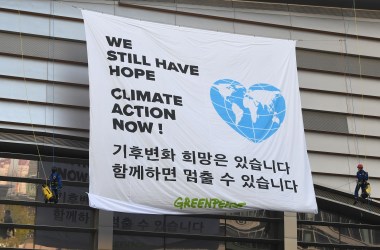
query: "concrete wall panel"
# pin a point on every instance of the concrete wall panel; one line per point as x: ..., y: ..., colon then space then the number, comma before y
x: 342, y: 144
x: 40, y: 114
x: 342, y: 165
x: 363, y: 126
x: 339, y: 83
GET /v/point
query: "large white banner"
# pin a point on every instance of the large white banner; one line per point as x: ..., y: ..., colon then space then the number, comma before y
x: 192, y: 121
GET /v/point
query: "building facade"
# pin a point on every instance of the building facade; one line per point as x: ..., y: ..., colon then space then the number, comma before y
x: 44, y: 122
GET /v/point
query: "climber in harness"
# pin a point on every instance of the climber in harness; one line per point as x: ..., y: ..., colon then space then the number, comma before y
x: 361, y: 183
x: 55, y: 184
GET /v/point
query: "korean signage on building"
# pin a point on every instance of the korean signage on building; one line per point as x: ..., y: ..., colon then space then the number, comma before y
x: 193, y: 121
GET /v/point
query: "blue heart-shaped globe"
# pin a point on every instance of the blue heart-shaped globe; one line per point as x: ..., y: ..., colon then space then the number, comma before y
x: 256, y: 113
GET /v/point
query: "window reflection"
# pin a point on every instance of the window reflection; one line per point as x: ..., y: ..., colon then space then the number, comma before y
x: 23, y: 238
x: 67, y: 217
x: 167, y: 223
x: 191, y: 244
x: 50, y: 216
x: 24, y: 191
x: 318, y: 234
x: 257, y: 213
x: 248, y: 246
x: 121, y: 242
x: 76, y: 171
x: 70, y: 171
x: 19, y: 214
x: 10, y: 236
x: 61, y: 240
x: 42, y: 239
x: 326, y: 216
x: 337, y: 234
x: 192, y: 225
x: 247, y: 229
x: 18, y: 191
x: 18, y: 168
x: 195, y: 225
x: 360, y: 237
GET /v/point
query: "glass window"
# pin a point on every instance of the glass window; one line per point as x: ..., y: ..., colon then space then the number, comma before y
x: 70, y: 171
x: 43, y: 239
x: 304, y: 234
x: 194, y: 225
x: 258, y: 213
x: 138, y: 222
x: 192, y: 244
x: 355, y: 233
x: 18, y: 168
x: 169, y: 224
x: 122, y: 242
x: 376, y: 237
x: 250, y: 229
x: 318, y: 248
x: 50, y: 216
x: 68, y: 194
x: 338, y: 234
x: 19, y: 238
x: 326, y: 216
x: 249, y: 246
x: 318, y: 234
x: 19, y: 191
x: 67, y: 217
x: 360, y: 237
x: 17, y: 214
x: 22, y: 191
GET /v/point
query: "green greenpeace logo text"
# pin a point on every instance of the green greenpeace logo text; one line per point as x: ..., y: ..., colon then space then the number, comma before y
x: 186, y: 202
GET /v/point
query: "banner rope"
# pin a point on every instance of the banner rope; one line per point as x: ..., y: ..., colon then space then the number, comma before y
x: 290, y: 22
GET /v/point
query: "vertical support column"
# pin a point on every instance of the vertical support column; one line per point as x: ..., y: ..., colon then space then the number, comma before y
x: 290, y: 230
x: 105, y: 230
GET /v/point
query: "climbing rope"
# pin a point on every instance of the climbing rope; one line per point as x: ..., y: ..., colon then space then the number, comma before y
x: 52, y: 37
x: 361, y: 78
x: 362, y: 90
x: 27, y: 96
x: 349, y: 91
x: 350, y: 98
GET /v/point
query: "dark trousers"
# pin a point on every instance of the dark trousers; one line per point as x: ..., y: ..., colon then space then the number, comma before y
x: 55, y: 192
x: 359, y: 185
